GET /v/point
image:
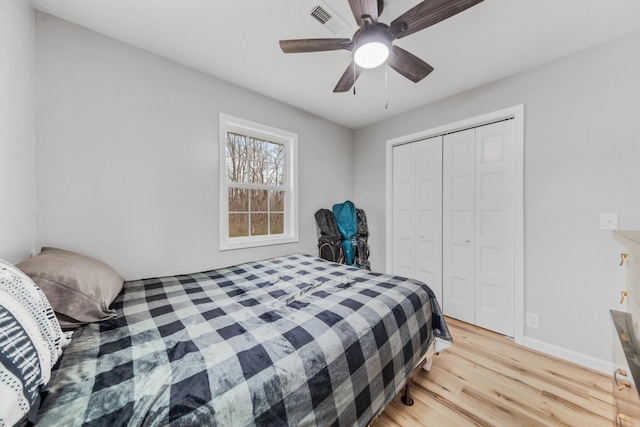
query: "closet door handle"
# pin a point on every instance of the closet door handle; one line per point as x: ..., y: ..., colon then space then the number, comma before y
x: 467, y: 240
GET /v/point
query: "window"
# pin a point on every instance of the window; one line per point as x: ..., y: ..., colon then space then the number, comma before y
x: 258, y: 184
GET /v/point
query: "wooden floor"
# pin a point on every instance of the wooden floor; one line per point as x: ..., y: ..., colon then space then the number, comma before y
x: 487, y: 380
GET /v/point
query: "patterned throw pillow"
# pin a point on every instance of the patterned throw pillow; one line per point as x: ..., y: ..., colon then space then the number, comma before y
x: 31, y: 341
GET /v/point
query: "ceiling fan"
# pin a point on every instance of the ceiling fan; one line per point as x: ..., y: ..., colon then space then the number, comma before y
x: 372, y: 43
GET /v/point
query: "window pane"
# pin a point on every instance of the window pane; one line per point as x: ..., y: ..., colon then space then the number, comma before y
x: 252, y: 160
x: 237, y: 169
x: 238, y: 199
x: 232, y: 145
x: 277, y: 223
x: 259, y: 200
x: 276, y: 201
x: 238, y: 225
x: 257, y: 172
x: 259, y: 224
x: 254, y: 148
x: 276, y: 164
x: 274, y: 174
x: 236, y: 152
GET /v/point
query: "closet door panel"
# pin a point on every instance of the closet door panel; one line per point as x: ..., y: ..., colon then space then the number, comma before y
x: 494, y: 226
x: 404, y: 210
x: 428, y: 201
x: 453, y: 221
x: 458, y: 189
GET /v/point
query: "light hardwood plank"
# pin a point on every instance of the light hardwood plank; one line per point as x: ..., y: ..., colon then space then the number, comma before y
x: 487, y: 380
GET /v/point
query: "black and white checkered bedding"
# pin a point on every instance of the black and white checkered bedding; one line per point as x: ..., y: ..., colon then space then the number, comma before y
x: 288, y: 341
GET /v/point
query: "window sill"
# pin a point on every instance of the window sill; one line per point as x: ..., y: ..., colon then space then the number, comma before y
x: 253, y: 242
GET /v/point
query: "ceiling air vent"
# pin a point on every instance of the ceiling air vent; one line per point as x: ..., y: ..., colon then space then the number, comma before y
x: 329, y: 19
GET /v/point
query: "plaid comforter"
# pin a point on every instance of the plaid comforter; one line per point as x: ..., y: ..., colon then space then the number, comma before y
x: 288, y: 341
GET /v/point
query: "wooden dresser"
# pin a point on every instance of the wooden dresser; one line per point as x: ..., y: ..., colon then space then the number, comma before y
x: 626, y: 343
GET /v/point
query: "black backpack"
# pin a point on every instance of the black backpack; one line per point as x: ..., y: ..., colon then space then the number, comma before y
x: 362, y: 246
x: 330, y: 241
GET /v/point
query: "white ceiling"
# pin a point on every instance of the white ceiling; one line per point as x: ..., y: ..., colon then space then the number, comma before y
x: 237, y: 41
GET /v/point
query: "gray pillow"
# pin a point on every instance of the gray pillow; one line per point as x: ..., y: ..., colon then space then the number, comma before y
x: 79, y: 288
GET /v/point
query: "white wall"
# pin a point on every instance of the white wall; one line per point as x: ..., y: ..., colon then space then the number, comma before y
x: 127, y: 155
x: 582, y: 157
x: 16, y: 129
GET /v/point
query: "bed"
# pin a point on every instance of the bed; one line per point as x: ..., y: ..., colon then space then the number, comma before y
x: 293, y: 340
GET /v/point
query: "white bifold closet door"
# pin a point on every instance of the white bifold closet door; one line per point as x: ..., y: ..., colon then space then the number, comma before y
x: 417, y: 212
x: 477, y: 226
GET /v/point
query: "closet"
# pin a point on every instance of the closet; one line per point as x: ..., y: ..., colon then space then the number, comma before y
x: 417, y: 211
x: 453, y: 221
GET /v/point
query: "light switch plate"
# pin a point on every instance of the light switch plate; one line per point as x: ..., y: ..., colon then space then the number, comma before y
x: 609, y: 221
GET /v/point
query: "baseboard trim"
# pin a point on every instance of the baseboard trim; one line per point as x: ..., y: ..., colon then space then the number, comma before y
x: 569, y: 355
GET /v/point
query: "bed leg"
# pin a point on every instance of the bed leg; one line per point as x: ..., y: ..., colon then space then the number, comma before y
x: 406, y: 397
x: 427, y: 364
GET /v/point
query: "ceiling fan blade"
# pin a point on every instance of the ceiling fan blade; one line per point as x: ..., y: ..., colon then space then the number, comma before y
x: 348, y: 78
x: 314, y: 45
x: 409, y: 65
x: 364, y: 7
x: 430, y: 12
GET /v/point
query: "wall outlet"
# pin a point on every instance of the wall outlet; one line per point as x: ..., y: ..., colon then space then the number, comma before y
x: 533, y: 320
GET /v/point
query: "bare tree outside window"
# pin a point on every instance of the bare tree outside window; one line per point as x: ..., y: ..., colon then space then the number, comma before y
x: 255, y: 170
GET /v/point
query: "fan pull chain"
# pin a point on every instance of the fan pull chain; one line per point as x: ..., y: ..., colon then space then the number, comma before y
x: 386, y: 88
x: 354, y: 77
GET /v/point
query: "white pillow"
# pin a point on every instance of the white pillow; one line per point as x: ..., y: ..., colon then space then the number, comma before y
x: 31, y: 341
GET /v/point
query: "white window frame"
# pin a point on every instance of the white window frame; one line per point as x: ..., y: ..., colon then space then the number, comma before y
x: 241, y: 126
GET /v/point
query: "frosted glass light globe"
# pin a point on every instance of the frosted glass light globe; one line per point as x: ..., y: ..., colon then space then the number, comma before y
x: 371, y: 55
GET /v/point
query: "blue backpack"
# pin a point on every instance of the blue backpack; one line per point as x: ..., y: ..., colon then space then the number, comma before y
x: 347, y: 220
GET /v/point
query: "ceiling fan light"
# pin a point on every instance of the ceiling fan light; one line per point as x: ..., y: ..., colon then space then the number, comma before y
x: 371, y: 55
